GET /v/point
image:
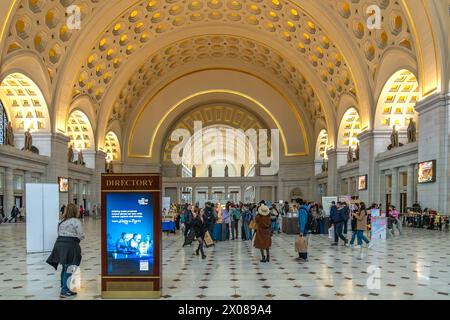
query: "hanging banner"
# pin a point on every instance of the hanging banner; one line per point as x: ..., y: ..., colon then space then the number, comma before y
x: 326, y: 203
x: 131, y: 236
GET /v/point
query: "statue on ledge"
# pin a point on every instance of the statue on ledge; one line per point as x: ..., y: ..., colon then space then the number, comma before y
x: 194, y: 171
x: 350, y: 155
x: 394, y: 138
x: 357, y: 152
x: 412, y: 131
x: 28, y: 141
x: 70, y: 154
x: 80, y: 160
x: 179, y: 171
x: 209, y: 171
x: 109, y: 167
x: 9, y: 135
x: 242, y: 171
x: 226, y: 171
x: 324, y: 165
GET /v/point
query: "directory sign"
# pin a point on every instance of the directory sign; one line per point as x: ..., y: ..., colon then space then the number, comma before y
x: 131, y: 236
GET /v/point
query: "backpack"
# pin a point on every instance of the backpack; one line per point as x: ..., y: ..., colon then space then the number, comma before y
x: 236, y: 214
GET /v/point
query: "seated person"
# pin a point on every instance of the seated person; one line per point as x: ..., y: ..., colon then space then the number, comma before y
x: 133, y: 245
x: 122, y: 244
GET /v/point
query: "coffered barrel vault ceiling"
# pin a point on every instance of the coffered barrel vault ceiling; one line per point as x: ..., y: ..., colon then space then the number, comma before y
x: 316, y: 51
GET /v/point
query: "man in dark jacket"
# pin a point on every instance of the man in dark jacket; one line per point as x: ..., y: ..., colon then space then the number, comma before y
x: 346, y: 215
x: 209, y: 218
x: 337, y: 216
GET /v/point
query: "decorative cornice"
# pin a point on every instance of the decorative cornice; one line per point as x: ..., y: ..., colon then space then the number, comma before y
x: 432, y: 102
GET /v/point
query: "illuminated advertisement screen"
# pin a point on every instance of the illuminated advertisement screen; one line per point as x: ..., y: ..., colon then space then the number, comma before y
x: 427, y: 171
x: 362, y: 182
x: 129, y: 234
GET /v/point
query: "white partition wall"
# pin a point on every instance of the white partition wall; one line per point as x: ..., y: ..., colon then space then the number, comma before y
x: 42, y: 207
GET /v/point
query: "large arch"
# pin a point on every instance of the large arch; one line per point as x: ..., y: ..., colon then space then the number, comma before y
x: 349, y: 129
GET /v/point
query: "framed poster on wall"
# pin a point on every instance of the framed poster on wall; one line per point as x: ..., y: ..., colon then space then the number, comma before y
x: 362, y: 182
x: 426, y: 171
x: 63, y: 184
x: 131, y: 236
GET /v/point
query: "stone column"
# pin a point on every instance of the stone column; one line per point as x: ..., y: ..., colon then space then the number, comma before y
x: 410, y: 186
x: 349, y: 186
x: 9, y: 191
x: 194, y: 195
x: 210, y: 195
x: 70, y: 193
x: 382, y: 197
x: 96, y: 161
x: 242, y: 193
x: 178, y: 195
x: 274, y: 195
x: 434, y: 141
x: 394, y: 189
x: 58, y: 165
x: 226, y: 193
x: 257, y: 194
x: 335, y: 160
x: 27, y: 179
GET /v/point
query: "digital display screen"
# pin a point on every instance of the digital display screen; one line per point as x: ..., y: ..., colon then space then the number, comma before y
x: 427, y: 171
x: 129, y: 234
x: 362, y: 182
x: 63, y: 184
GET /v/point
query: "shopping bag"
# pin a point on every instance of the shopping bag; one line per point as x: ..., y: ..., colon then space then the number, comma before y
x: 208, y: 240
x: 301, y: 244
x: 331, y: 232
x: 253, y: 225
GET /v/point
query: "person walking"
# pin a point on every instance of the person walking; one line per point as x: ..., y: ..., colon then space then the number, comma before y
x: 199, y: 227
x: 15, y: 213
x: 361, y: 226
x: 67, y: 250
x: 303, y: 215
x: 274, y: 214
x: 353, y: 224
x: 263, y: 241
x: 235, y: 217
x: 209, y: 218
x: 247, y: 217
x: 337, y: 217
x: 226, y: 221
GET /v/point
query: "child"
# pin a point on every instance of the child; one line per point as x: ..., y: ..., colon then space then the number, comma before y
x: 301, y: 246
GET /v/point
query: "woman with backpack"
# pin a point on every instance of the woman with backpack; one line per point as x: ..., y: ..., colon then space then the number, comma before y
x: 235, y: 217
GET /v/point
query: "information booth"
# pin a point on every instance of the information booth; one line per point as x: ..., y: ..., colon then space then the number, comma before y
x: 131, y: 236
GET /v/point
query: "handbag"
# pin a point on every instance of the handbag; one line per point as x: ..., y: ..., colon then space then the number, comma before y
x: 331, y: 232
x: 208, y: 240
x: 253, y: 225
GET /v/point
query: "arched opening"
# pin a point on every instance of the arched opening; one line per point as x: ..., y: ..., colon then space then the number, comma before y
x: 80, y: 132
x: 3, y: 123
x: 222, y: 147
x: 349, y: 129
x: 24, y: 102
x: 112, y: 147
x: 321, y: 145
x: 397, y: 101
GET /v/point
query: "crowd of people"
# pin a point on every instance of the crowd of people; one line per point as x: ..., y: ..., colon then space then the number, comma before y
x: 259, y: 222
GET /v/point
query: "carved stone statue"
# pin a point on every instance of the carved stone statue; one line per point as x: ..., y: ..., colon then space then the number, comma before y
x: 70, y: 154
x: 209, y: 171
x: 179, y: 171
x: 242, y: 171
x: 80, y: 160
x: 394, y: 138
x: 412, y: 131
x: 324, y: 166
x: 357, y: 151
x: 28, y: 141
x: 109, y: 167
x: 350, y: 155
x: 9, y: 138
x: 194, y: 171
x: 226, y: 170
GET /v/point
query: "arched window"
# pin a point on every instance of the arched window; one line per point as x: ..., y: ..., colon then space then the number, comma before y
x: 349, y: 129
x: 397, y: 101
x: 3, y: 123
x: 112, y: 147
x: 321, y: 145
x: 80, y: 131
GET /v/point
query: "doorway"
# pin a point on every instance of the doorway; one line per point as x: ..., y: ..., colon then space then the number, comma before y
x: 403, y: 201
x: 18, y: 201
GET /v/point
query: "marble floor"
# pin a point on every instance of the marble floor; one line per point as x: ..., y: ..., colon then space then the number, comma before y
x: 415, y: 265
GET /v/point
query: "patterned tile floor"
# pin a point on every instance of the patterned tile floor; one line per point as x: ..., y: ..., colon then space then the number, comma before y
x: 415, y: 265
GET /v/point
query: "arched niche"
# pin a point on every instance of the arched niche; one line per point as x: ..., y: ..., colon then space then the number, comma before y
x: 396, y: 104
x: 112, y: 147
x: 79, y: 130
x: 321, y: 145
x: 349, y: 129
